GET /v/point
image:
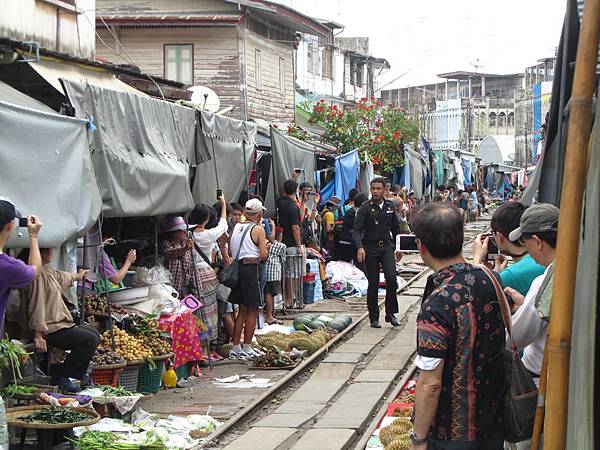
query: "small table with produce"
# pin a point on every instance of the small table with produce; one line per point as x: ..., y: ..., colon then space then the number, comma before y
x: 46, y: 420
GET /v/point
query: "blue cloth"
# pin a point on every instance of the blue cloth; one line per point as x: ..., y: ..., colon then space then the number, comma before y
x: 466, y: 167
x: 327, y: 191
x: 347, y: 172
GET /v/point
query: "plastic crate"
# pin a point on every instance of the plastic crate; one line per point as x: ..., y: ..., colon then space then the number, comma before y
x: 150, y: 378
x: 128, y: 378
x: 308, y: 290
x: 106, y: 377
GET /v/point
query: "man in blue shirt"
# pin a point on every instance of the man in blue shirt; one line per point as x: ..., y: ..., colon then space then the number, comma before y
x: 521, y: 274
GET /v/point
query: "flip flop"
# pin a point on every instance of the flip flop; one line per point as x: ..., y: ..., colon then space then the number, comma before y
x: 274, y: 322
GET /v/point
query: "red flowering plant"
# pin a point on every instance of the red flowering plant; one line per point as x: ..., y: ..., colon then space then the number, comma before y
x: 297, y: 132
x: 372, y: 126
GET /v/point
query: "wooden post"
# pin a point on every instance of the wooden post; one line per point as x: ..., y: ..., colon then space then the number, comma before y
x: 561, y: 317
x: 541, y: 403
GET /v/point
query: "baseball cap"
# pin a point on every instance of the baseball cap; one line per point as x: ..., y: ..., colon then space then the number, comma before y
x: 254, y: 206
x: 536, y: 219
x: 8, y: 210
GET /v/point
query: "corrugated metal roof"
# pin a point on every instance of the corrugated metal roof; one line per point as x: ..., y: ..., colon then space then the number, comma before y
x: 165, y: 18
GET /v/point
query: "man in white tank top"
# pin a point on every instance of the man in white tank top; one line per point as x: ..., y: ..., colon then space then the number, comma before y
x: 249, y: 244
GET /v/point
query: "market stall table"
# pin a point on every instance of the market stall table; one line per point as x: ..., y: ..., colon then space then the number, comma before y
x: 46, y: 431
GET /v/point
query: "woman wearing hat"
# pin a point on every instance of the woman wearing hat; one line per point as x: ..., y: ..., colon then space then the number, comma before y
x: 177, y: 255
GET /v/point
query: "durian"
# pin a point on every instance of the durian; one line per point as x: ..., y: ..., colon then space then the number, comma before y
x: 398, y: 427
x: 402, y: 442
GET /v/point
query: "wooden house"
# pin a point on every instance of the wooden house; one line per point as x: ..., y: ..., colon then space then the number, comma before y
x: 243, y: 50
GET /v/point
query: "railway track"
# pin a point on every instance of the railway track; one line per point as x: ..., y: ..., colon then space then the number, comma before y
x: 265, y: 404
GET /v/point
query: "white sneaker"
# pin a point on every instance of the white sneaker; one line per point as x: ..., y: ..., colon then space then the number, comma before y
x: 246, y: 355
x: 234, y: 355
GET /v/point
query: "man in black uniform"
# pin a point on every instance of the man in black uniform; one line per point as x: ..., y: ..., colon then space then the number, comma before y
x: 375, y: 230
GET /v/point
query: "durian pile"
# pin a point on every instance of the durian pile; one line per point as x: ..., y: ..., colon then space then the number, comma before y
x: 273, y: 358
x: 396, y: 436
x: 300, y: 340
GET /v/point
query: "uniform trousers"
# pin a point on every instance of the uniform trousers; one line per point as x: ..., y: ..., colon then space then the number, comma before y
x: 383, y: 257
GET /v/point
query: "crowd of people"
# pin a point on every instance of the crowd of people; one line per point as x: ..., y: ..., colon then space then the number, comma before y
x: 461, y: 333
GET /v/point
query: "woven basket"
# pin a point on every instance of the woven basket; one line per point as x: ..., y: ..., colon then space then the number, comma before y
x: 149, y: 379
x: 128, y: 378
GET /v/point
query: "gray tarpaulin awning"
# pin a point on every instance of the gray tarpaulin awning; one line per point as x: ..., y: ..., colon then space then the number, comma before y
x: 289, y: 153
x: 11, y: 95
x: 142, y: 150
x: 230, y: 144
x: 582, y: 379
x: 45, y: 168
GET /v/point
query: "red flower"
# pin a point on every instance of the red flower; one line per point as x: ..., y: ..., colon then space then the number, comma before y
x: 397, y: 135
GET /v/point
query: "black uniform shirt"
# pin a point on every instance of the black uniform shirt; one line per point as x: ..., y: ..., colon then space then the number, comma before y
x: 375, y: 222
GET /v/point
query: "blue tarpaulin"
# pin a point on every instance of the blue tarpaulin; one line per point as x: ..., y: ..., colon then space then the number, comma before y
x: 327, y: 191
x: 466, y: 166
x: 537, y: 121
x: 347, y: 171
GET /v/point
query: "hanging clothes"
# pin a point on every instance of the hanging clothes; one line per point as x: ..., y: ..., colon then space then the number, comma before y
x: 458, y: 171
x: 466, y: 168
x: 347, y: 171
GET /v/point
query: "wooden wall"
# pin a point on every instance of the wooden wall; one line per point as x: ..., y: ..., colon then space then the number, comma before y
x: 216, y: 58
x: 269, y: 103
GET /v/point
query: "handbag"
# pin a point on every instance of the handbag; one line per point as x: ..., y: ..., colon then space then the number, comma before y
x: 520, y: 400
x: 229, y: 275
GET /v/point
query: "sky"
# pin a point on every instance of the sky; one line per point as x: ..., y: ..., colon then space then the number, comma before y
x: 422, y: 38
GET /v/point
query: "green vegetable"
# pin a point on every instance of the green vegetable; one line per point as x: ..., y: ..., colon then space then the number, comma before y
x: 54, y: 415
x: 120, y: 391
x: 12, y: 354
x: 16, y: 389
x: 104, y: 440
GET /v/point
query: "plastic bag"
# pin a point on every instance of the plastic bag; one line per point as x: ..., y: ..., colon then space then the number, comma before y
x: 149, y: 277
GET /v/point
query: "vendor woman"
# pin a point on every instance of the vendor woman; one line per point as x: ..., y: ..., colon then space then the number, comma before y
x: 51, y: 323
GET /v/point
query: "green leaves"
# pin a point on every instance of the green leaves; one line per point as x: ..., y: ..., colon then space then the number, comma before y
x: 370, y: 126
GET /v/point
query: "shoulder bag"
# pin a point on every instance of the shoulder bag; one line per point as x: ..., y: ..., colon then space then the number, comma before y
x: 229, y: 275
x: 519, y: 403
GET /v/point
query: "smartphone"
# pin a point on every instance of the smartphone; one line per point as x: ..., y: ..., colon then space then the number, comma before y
x: 23, y: 222
x: 219, y: 193
x: 406, y: 243
x: 493, y: 250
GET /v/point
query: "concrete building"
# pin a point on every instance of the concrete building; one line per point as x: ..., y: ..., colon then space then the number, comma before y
x: 243, y: 50
x: 461, y: 111
x: 531, y: 106
x: 341, y: 74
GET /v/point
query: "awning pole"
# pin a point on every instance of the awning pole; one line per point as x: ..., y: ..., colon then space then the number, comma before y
x: 574, y: 178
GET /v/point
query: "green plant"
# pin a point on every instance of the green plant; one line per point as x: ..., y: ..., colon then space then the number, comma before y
x: 373, y: 128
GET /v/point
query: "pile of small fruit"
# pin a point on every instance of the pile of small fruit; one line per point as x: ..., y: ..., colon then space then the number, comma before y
x: 104, y: 357
x: 147, y: 330
x: 99, y: 305
x: 132, y: 348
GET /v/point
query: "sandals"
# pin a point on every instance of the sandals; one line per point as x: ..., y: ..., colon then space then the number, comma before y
x: 274, y: 322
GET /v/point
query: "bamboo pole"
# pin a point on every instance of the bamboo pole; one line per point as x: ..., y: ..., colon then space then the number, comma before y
x: 559, y: 334
x: 541, y: 403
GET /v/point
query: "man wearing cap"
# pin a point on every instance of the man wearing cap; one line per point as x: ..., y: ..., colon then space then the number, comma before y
x: 375, y: 229
x: 249, y: 245
x: 14, y: 273
x: 538, y: 230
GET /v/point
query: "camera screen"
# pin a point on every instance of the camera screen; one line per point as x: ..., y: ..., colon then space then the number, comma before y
x: 406, y: 243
